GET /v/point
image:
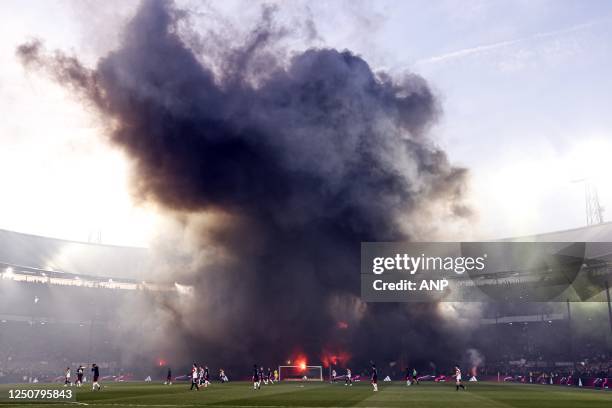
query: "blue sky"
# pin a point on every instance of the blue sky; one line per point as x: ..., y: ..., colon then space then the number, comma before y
x: 525, y: 88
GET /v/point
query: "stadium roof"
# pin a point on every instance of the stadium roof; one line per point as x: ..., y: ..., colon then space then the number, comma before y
x: 110, y: 261
x: 592, y: 233
x: 598, y: 236
x: 53, y: 254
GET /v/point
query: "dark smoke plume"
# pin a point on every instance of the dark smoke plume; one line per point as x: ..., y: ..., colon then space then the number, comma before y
x: 293, y: 162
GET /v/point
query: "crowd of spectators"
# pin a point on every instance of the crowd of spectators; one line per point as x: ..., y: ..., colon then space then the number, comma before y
x: 592, y: 370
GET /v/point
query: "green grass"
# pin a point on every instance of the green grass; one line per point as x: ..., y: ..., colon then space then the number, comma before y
x: 241, y: 395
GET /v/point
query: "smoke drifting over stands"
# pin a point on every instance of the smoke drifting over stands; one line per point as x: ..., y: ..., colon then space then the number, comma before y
x: 282, y: 165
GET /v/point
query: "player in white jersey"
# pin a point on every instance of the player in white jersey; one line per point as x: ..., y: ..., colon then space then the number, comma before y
x: 349, y: 378
x: 200, y: 376
x: 223, y: 376
x: 67, y: 381
x: 195, y: 377
x: 458, y: 383
x: 333, y: 376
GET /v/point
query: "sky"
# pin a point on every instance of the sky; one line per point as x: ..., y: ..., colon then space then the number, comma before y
x: 524, y: 87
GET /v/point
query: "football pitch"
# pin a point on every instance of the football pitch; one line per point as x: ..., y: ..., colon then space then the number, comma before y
x: 291, y: 394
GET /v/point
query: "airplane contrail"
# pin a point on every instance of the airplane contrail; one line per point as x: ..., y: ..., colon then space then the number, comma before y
x: 488, y: 47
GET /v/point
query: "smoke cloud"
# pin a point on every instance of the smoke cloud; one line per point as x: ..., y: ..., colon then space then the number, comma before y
x: 281, y: 165
x: 475, y: 360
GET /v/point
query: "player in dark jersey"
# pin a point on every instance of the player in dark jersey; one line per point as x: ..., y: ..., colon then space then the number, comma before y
x: 80, y: 372
x: 407, y: 376
x: 169, y: 377
x: 96, y: 376
x: 206, y: 376
x: 374, y: 377
x: 269, y: 376
x: 256, y: 381
x: 415, y: 378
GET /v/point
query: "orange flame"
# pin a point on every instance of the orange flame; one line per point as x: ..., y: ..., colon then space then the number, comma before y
x: 337, y: 358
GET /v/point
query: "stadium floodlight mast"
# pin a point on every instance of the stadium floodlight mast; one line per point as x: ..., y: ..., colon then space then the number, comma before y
x: 594, y: 210
x: 300, y: 373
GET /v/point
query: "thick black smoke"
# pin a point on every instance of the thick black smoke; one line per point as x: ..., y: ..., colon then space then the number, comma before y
x: 293, y: 162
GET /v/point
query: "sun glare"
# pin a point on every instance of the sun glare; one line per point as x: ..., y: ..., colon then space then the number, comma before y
x: 544, y: 192
x: 61, y: 179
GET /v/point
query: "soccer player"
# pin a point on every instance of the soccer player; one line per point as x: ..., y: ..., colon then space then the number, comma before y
x: 169, y: 377
x: 408, y: 383
x: 96, y: 377
x: 222, y: 376
x: 200, y: 376
x: 415, y: 379
x: 348, y: 380
x: 195, y: 377
x: 374, y: 377
x: 269, y: 375
x: 458, y: 379
x: 261, y: 375
x: 67, y: 381
x: 275, y: 375
x: 206, y: 376
x: 333, y: 376
x: 256, y: 381
x: 80, y: 372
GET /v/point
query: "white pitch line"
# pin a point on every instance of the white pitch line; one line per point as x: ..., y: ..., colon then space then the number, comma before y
x: 229, y: 406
